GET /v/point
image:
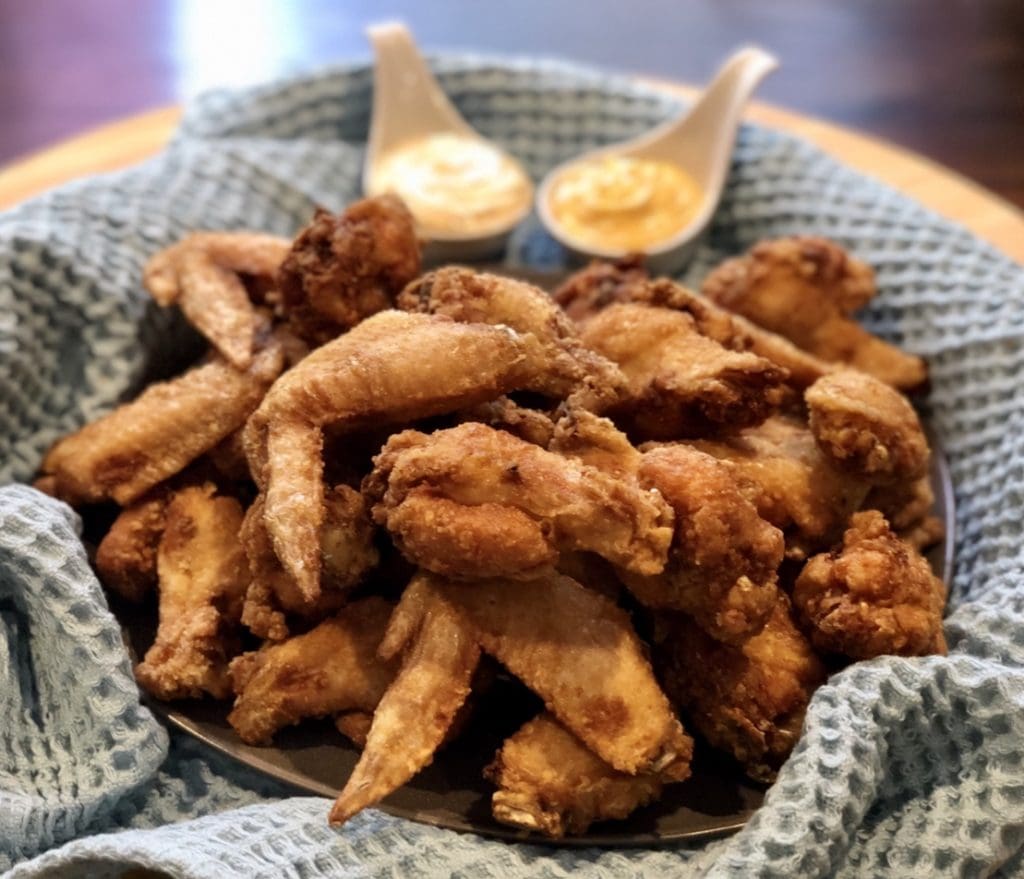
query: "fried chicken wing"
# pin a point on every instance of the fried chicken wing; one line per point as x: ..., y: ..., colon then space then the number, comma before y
x: 872, y: 595
x: 344, y: 268
x: 600, y: 284
x: 680, y: 382
x: 748, y: 700
x: 203, y: 577
x: 550, y: 782
x: 415, y: 713
x: 587, y: 378
x: 201, y: 274
x: 725, y: 557
x: 124, y: 454
x: 126, y: 557
x: 867, y: 427
x: 805, y: 289
x: 596, y: 442
x: 332, y: 668
x: 473, y: 501
x: 531, y: 425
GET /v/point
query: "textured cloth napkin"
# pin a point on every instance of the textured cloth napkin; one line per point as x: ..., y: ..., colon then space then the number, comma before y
x: 906, y: 767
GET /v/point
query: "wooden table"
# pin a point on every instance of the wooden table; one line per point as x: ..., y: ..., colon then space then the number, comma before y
x: 134, y: 139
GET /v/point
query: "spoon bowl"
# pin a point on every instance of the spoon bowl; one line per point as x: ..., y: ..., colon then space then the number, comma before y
x: 699, y: 143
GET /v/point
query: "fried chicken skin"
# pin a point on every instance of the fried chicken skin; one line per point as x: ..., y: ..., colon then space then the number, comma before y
x: 724, y: 560
x: 588, y: 379
x: 203, y: 577
x: 203, y: 274
x: 805, y: 289
x: 392, y: 368
x: 791, y: 482
x: 550, y: 782
x: 531, y: 425
x: 681, y: 383
x: 596, y: 442
x: 867, y: 427
x: 871, y: 596
x: 343, y: 268
x: 441, y: 654
x: 907, y: 507
x: 749, y: 700
x: 124, y: 454
x: 598, y: 285
x: 473, y: 502
x: 126, y: 557
x: 333, y: 667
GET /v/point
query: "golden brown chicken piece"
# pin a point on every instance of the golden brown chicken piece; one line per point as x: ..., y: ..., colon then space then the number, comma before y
x: 415, y: 713
x: 588, y: 379
x: 805, y: 289
x: 867, y: 427
x: 203, y: 578
x: 792, y: 483
x: 907, y: 507
x: 872, y: 595
x: 126, y: 557
x: 549, y: 782
x: 140, y: 444
x: 475, y: 502
x: 748, y: 700
x: 598, y: 285
x: 724, y: 561
x: 578, y: 651
x: 355, y: 726
x: 202, y: 274
x: 680, y: 382
x: 596, y: 442
x: 332, y: 668
x: 344, y: 268
x: 393, y: 367
x: 531, y: 425
x: 347, y: 553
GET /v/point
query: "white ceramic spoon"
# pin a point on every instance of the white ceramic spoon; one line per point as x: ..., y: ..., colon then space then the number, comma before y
x: 699, y: 142
x: 409, y: 106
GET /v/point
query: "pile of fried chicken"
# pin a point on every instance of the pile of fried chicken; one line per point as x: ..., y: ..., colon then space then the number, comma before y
x: 650, y: 506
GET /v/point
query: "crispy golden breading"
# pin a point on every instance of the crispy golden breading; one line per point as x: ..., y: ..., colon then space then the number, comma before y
x: 474, y: 502
x: 805, y: 289
x: 681, y: 383
x: 126, y: 557
x: 600, y: 284
x: 792, y: 483
x: 441, y: 654
x: 724, y: 561
x: 344, y: 268
x: 748, y: 700
x: 531, y: 425
x: 872, y: 595
x: 549, y: 782
x: 355, y: 726
x: 201, y: 274
x: 393, y: 367
x: 578, y: 651
x: 907, y: 506
x: 596, y: 442
x: 203, y: 577
x: 867, y: 427
x: 124, y: 454
x: 331, y: 668
x: 577, y: 372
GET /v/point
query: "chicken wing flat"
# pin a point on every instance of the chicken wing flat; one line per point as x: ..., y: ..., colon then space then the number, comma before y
x: 805, y: 289
x: 416, y: 711
x: 332, y: 668
x: 793, y: 485
x: 682, y: 383
x: 126, y: 557
x: 578, y: 651
x: 344, y: 268
x: 203, y: 577
x: 550, y: 782
x: 475, y: 502
x: 600, y: 284
x: 872, y: 595
x: 867, y: 427
x: 577, y: 372
x: 724, y: 561
x: 124, y: 454
x: 393, y: 367
x: 201, y: 274
x: 748, y: 700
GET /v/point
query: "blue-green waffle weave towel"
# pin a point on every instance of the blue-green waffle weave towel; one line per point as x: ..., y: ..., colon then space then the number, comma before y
x: 906, y: 767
